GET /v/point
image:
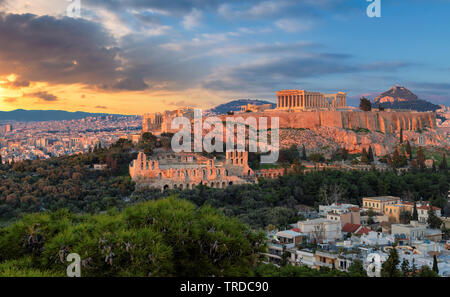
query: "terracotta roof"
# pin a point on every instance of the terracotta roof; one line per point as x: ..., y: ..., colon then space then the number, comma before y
x: 296, y: 230
x: 349, y: 227
x: 363, y: 230
x: 354, y: 208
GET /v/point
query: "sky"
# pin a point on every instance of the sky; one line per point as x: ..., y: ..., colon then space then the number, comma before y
x: 139, y: 56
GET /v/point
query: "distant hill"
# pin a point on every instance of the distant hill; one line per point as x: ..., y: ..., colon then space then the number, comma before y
x: 46, y: 115
x: 401, y: 98
x: 235, y: 105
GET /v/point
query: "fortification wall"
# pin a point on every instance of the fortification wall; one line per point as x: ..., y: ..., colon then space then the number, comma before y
x: 385, y: 122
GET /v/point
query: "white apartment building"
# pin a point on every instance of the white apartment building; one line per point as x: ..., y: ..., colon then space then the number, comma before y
x: 321, y: 229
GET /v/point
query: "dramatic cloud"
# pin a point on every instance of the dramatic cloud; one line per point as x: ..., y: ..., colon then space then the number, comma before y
x: 43, y: 95
x: 288, y: 71
x: 15, y: 84
x: 55, y: 50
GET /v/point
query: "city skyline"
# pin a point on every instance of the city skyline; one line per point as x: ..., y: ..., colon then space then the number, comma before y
x: 129, y: 57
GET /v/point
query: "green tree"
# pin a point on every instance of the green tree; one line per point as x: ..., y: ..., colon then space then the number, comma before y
x: 303, y: 152
x: 425, y: 271
x: 433, y: 220
x: 370, y: 154
x: 421, y: 158
x: 370, y: 215
x: 357, y: 269
x: 415, y: 214
x: 167, y: 237
x: 365, y: 104
x: 398, y: 160
x: 443, y: 164
x: 408, y: 150
x: 364, y: 156
x: 389, y: 268
x: 435, y: 264
x: 405, y: 267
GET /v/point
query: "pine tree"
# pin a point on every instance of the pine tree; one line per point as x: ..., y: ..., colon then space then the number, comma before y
x: 365, y: 104
x: 435, y: 264
x: 389, y: 268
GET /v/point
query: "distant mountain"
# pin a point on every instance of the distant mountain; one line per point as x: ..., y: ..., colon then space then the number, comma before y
x: 235, y: 105
x: 46, y: 115
x: 401, y: 98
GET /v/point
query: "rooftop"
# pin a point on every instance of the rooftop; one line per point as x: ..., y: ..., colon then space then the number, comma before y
x: 383, y: 198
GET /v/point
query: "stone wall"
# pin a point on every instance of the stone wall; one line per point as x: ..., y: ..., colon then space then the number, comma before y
x: 386, y: 122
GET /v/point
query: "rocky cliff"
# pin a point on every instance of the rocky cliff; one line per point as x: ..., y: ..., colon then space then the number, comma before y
x: 386, y: 122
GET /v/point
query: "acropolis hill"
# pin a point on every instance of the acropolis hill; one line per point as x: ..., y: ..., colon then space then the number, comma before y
x: 382, y: 121
x: 312, y: 110
x: 323, y: 123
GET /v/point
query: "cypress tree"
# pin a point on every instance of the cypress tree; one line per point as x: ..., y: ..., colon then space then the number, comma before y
x: 443, y: 165
x: 303, y: 152
x: 370, y: 154
x: 435, y: 265
x: 421, y: 158
x: 408, y: 150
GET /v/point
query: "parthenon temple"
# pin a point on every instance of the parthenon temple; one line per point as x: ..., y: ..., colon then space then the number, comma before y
x: 301, y: 99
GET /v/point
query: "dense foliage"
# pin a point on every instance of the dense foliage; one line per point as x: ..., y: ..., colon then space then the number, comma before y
x: 67, y: 182
x: 168, y: 237
x: 273, y: 201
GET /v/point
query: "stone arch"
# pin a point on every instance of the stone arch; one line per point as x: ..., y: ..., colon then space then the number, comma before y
x: 230, y: 183
x: 166, y: 187
x: 248, y: 173
x: 223, y: 184
x: 181, y: 186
